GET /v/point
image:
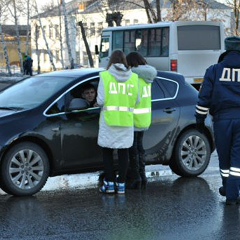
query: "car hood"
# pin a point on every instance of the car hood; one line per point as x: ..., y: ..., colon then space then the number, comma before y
x: 4, y: 112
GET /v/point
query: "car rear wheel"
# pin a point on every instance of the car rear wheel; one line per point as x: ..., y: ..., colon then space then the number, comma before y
x: 191, y: 155
x: 24, y: 170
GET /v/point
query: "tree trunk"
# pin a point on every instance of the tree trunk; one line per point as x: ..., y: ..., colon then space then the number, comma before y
x: 17, y: 35
x: 5, y: 50
x: 28, y: 28
x: 158, y: 6
x: 44, y: 37
x: 37, y: 50
x: 86, y: 44
x: 60, y: 35
x: 71, y: 60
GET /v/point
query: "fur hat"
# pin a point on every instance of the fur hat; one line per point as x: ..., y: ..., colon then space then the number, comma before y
x: 232, y: 43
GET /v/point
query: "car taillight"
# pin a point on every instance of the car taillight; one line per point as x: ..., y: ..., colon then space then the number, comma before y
x: 174, y: 65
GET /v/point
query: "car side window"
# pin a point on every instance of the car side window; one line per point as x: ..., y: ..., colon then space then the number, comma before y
x: 63, y: 103
x: 170, y: 86
x: 157, y: 91
x: 164, y: 88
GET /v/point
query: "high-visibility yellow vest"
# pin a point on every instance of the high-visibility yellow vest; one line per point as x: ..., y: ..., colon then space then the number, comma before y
x: 142, y: 112
x: 120, y: 100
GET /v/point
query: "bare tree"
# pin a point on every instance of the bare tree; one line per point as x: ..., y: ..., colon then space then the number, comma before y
x: 15, y: 16
x: 28, y: 28
x: 37, y: 32
x: 67, y: 34
x: 60, y: 34
x: 5, y: 50
x: 86, y: 44
x: 235, y: 5
x: 44, y: 37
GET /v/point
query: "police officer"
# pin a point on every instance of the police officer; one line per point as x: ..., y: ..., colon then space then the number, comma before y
x: 220, y: 96
x: 117, y: 95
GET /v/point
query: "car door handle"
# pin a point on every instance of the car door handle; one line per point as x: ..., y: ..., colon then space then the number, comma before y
x: 56, y: 129
x: 169, y: 110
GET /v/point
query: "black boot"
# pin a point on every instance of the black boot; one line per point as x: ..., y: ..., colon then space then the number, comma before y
x: 134, y: 179
x: 222, y: 190
x: 142, y: 170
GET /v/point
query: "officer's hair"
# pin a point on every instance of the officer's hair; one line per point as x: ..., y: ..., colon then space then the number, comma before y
x: 134, y: 59
x: 117, y: 57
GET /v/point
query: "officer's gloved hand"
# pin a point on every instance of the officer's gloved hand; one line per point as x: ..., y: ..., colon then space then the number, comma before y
x: 200, y: 125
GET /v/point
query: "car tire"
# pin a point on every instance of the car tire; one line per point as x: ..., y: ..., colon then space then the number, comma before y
x: 191, y: 155
x: 24, y: 170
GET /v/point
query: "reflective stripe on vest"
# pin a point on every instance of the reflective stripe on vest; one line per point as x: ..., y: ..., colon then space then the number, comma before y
x: 120, y: 100
x: 142, y: 110
x: 121, y: 109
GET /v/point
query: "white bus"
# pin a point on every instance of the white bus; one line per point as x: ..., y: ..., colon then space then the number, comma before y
x: 185, y: 47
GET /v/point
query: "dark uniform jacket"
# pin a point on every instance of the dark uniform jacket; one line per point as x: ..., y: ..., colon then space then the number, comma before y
x: 220, y: 91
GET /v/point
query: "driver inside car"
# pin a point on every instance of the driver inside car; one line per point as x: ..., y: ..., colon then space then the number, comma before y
x: 89, y: 93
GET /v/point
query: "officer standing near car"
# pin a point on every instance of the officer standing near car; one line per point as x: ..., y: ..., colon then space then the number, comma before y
x: 220, y: 96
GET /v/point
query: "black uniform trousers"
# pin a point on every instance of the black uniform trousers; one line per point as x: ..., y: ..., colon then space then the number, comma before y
x: 227, y: 139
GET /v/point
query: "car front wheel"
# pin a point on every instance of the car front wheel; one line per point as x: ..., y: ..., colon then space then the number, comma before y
x: 191, y: 154
x: 24, y: 170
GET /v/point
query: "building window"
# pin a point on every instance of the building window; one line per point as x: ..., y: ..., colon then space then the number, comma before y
x: 57, y: 56
x: 50, y: 31
x: 92, y: 29
x: 37, y: 31
x: 56, y: 31
x: 135, y: 21
x: 45, y: 55
x: 127, y: 22
x: 99, y: 28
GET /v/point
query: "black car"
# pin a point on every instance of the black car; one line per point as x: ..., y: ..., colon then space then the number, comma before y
x: 46, y: 129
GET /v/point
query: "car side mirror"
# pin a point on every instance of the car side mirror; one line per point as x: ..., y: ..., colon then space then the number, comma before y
x: 77, y: 104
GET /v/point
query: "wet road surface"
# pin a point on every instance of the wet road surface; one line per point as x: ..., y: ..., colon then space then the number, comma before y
x: 170, y: 208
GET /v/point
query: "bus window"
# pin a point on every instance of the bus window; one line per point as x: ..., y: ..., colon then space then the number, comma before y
x: 117, y: 40
x: 104, y: 48
x: 158, y: 42
x: 199, y: 37
x: 142, y: 39
x: 129, y: 41
x: 138, y: 39
x: 164, y: 42
x: 154, y: 42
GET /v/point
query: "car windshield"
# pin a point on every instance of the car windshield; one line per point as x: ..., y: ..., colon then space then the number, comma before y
x: 31, y: 92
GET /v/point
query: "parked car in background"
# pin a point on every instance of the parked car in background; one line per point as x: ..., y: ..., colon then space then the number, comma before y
x: 46, y: 129
x: 75, y: 66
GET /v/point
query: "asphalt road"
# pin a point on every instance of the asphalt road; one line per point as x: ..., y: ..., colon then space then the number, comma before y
x: 170, y: 208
